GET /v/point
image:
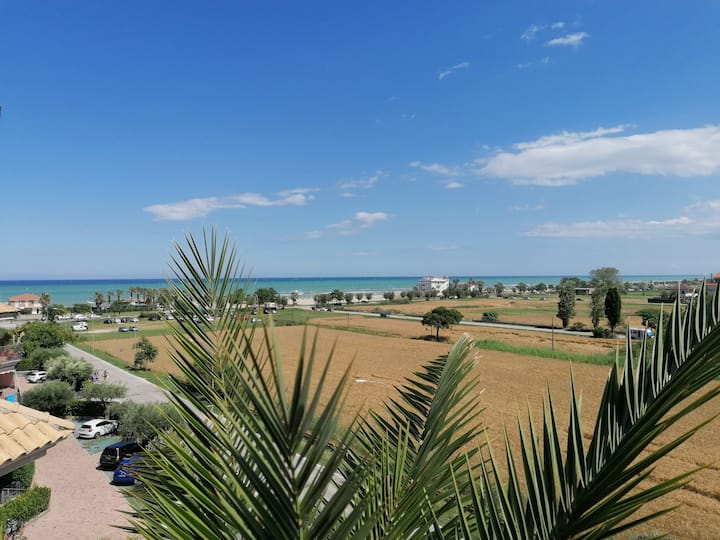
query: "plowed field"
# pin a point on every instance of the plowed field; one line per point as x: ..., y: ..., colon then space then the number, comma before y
x: 510, y: 384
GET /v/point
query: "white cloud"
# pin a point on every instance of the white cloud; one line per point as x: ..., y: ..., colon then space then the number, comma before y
x: 697, y: 220
x: 527, y: 207
x: 362, y: 183
x: 435, y: 168
x: 360, y: 220
x: 201, y: 207
x: 569, y: 40
x: 312, y: 235
x: 524, y: 65
x: 564, y: 159
x: 531, y: 32
x: 453, y: 185
x: 449, y: 71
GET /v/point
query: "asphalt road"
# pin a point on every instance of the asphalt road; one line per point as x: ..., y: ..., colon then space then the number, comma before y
x: 138, y: 389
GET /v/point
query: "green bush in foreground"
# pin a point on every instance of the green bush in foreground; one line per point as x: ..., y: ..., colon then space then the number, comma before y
x: 264, y: 457
x: 26, y: 506
x: 53, y: 396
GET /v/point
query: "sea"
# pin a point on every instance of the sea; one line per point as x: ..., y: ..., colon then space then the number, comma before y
x: 68, y: 292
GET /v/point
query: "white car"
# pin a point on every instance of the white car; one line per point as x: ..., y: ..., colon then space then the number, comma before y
x: 36, y: 376
x: 92, y: 429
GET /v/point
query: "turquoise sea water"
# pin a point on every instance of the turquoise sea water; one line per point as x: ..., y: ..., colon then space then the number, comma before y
x: 69, y: 292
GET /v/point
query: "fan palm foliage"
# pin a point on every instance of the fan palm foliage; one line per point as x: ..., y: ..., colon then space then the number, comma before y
x: 256, y: 455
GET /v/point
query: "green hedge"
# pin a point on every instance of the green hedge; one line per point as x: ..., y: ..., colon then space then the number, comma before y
x: 26, y: 506
x: 23, y: 476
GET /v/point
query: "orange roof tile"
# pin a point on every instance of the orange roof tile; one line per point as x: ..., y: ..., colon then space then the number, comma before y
x: 25, y: 297
x: 26, y: 434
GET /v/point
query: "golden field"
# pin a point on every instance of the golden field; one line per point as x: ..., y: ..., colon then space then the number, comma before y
x: 380, y: 353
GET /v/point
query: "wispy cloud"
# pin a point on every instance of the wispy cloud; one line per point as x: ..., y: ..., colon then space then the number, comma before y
x: 202, y: 207
x: 566, y: 158
x: 449, y: 71
x: 569, y: 40
x: 527, y: 207
x: 532, y: 31
x: 359, y: 221
x: 453, y: 185
x: 361, y: 183
x: 435, y: 168
x: 525, y: 65
x: 697, y: 220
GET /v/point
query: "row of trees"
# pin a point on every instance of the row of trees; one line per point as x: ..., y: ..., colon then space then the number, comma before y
x: 269, y: 449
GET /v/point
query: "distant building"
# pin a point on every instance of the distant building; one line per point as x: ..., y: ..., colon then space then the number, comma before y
x: 429, y: 284
x: 584, y: 291
x: 26, y: 302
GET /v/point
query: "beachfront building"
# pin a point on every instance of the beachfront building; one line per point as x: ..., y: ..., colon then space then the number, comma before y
x: 430, y: 284
x: 28, y: 302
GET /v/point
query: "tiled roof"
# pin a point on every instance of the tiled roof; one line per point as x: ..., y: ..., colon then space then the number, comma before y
x: 24, y: 298
x: 4, y: 308
x: 25, y: 434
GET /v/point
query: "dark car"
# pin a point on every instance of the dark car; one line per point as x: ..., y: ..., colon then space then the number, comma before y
x: 124, y: 475
x: 115, y: 453
x: 154, y: 317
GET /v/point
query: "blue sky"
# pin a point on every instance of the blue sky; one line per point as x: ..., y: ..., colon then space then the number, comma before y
x: 361, y: 138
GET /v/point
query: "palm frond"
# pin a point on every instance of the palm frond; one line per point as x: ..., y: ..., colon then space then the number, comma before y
x: 249, y: 458
x: 595, y: 492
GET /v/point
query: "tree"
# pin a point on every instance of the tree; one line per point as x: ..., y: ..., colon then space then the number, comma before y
x: 53, y: 397
x: 45, y: 303
x: 601, y: 280
x: 146, y: 353
x: 99, y: 300
x: 119, y: 294
x: 73, y: 371
x: 359, y: 296
x: 143, y: 422
x: 441, y: 317
x: 348, y: 298
x: 499, y: 288
x: 266, y: 294
x: 256, y: 454
x: 540, y: 287
x: 566, y: 300
x: 294, y: 297
x: 39, y: 357
x: 613, y: 308
x: 522, y: 287
x: 37, y: 334
x: 103, y: 393
x: 336, y: 295
x: 81, y: 308
x: 389, y: 295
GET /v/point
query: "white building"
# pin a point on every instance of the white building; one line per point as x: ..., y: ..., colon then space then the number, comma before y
x: 429, y: 284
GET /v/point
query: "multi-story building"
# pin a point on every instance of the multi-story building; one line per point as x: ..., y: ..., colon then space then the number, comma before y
x: 430, y: 284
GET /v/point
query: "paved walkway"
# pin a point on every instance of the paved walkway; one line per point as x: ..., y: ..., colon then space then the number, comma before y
x: 83, y: 503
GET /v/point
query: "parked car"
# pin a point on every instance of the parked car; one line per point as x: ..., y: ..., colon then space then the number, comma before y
x: 124, y: 475
x: 154, y: 317
x: 123, y: 329
x: 80, y: 327
x: 92, y: 429
x: 36, y: 376
x: 133, y: 328
x: 134, y: 319
x: 112, y: 455
x: 108, y: 321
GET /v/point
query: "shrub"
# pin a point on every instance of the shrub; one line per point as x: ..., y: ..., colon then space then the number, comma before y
x: 26, y: 506
x: 577, y: 327
x: 38, y: 358
x: 21, y: 478
x: 71, y: 370
x: 53, y: 397
x: 600, y: 332
x: 490, y: 316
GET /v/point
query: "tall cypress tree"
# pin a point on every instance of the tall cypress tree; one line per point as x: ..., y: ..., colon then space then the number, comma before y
x: 613, y: 308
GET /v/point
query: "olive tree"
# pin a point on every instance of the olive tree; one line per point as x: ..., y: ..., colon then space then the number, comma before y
x: 441, y: 317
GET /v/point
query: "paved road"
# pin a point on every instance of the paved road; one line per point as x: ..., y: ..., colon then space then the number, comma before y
x: 138, y: 389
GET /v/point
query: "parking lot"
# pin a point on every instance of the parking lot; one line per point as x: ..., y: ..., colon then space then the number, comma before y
x: 83, y: 505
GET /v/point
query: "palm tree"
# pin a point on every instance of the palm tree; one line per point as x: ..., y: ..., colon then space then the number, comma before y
x: 45, y: 303
x: 256, y: 456
x: 99, y: 299
x: 119, y: 293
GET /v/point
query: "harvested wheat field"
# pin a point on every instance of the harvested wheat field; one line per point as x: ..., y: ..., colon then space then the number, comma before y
x: 509, y: 384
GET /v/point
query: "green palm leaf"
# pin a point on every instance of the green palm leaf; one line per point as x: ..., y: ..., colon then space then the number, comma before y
x: 595, y: 492
x: 249, y: 458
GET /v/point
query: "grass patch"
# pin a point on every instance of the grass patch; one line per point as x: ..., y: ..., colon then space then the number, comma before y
x: 605, y: 359
x: 160, y: 379
x: 365, y: 331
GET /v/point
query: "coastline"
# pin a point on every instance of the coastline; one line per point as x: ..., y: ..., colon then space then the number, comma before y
x: 81, y: 291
